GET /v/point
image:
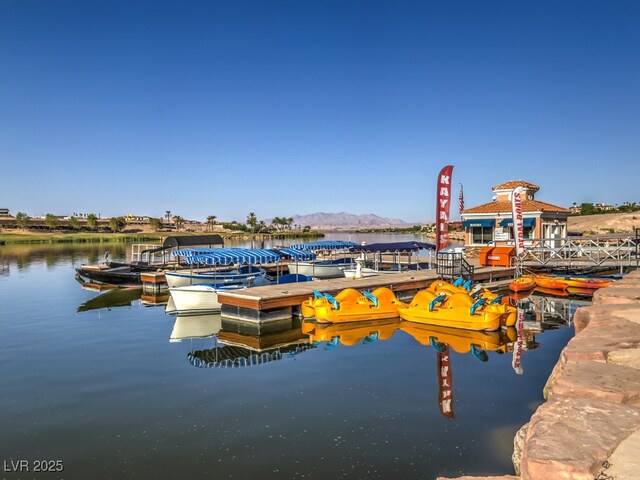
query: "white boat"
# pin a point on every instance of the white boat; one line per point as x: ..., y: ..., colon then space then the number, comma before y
x: 322, y: 268
x: 326, y: 268
x: 198, y: 298
x: 362, y: 272
x: 395, y: 250
x: 246, y: 275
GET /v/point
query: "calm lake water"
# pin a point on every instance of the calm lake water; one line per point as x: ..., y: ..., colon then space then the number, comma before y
x: 94, y: 381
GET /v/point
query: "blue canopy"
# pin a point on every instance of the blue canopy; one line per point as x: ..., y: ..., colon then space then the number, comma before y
x: 393, y: 247
x: 228, y: 256
x: 297, y: 255
x: 484, y: 222
x: 325, y: 245
x: 526, y: 222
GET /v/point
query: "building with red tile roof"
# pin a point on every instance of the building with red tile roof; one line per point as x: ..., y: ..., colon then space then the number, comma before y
x: 492, y: 222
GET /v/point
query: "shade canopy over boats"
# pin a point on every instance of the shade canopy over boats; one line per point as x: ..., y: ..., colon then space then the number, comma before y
x: 182, y: 241
x: 227, y: 256
x: 393, y: 247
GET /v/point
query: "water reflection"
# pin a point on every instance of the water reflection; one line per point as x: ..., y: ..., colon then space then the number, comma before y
x: 195, y: 326
x: 117, y: 297
x: 238, y: 344
x: 349, y: 333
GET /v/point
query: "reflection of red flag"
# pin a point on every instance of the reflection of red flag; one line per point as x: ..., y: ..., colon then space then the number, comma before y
x: 445, y: 388
x: 443, y: 207
x: 516, y: 361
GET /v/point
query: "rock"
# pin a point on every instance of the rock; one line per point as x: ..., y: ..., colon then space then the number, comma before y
x: 601, y: 381
x: 569, y: 438
x: 466, y: 477
x: 613, y: 294
x: 518, y: 445
x: 624, y: 462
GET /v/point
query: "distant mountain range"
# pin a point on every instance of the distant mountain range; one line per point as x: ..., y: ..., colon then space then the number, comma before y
x: 344, y: 221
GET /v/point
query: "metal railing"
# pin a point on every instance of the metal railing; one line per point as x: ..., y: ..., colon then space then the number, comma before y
x: 452, y: 265
x: 609, y: 250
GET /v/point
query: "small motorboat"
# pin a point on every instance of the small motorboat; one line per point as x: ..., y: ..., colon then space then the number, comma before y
x: 350, y: 333
x: 523, y: 284
x: 458, y: 310
x: 351, y: 305
x: 109, y: 272
x: 461, y: 341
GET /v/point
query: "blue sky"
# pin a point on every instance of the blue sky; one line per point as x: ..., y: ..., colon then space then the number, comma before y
x: 294, y: 107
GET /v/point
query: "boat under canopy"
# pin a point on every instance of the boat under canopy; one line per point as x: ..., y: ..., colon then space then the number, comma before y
x: 393, y: 247
x: 325, y: 245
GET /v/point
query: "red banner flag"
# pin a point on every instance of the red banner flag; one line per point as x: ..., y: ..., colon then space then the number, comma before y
x: 445, y: 388
x: 518, y: 228
x: 443, y: 207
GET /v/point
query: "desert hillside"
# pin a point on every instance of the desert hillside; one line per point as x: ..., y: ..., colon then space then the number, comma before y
x: 605, y: 223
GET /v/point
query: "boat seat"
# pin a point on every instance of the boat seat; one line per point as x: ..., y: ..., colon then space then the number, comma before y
x: 372, y: 297
x: 332, y: 300
x: 476, y: 305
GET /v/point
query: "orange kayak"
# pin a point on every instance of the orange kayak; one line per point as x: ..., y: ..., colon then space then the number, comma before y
x: 522, y: 284
x: 550, y: 283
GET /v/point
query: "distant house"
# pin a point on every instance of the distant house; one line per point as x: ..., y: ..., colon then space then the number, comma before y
x: 493, y: 222
x: 4, y: 212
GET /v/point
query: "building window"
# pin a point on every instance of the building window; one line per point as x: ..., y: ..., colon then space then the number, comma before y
x: 481, y: 235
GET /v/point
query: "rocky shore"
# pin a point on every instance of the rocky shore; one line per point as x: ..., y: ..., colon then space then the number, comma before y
x: 589, y: 426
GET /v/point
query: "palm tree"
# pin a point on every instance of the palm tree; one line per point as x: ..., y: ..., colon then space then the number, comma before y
x: 252, y: 221
x: 168, y: 215
x: 211, y: 221
x: 179, y: 221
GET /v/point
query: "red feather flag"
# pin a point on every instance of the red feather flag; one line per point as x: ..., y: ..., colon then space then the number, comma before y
x: 443, y: 207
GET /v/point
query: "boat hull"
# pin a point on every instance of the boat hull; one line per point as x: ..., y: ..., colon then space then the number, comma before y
x: 353, y: 306
x: 197, y: 298
x: 522, y: 284
x: 184, y: 279
x: 320, y: 270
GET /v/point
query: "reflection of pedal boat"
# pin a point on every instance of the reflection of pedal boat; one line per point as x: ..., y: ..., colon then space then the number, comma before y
x: 457, y: 310
x: 351, y: 305
x: 351, y: 333
x: 461, y: 341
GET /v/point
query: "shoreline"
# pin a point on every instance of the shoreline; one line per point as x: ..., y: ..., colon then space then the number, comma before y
x: 589, y: 425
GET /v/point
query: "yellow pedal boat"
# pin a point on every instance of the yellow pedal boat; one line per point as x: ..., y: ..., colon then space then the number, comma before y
x: 350, y: 333
x: 458, y: 310
x: 461, y: 341
x: 351, y: 305
x: 491, y: 298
